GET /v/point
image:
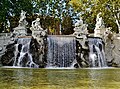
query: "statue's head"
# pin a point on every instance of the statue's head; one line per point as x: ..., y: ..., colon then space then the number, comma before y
x: 38, y: 19
x: 99, y: 15
x: 79, y: 23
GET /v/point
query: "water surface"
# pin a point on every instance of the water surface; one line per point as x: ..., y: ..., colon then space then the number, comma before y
x: 26, y: 78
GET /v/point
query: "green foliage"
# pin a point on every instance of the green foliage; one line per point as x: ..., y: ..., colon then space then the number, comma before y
x: 67, y: 25
x: 10, y: 8
x: 54, y: 12
x: 90, y: 8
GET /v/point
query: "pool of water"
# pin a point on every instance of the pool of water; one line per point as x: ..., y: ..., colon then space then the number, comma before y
x: 26, y: 78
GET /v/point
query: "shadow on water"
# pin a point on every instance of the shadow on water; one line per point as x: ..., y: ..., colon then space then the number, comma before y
x: 28, y: 78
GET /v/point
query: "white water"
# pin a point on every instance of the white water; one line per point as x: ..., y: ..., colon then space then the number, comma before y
x: 23, y: 58
x: 96, y: 54
x: 61, y: 51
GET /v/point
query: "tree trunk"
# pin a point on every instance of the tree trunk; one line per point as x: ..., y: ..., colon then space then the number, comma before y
x: 117, y: 21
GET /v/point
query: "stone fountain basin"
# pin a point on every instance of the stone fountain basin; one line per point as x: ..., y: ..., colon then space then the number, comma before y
x: 24, y: 37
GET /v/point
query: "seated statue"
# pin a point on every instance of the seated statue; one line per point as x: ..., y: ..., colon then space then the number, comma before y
x: 38, y: 32
x: 108, y: 35
x: 36, y: 25
x: 80, y: 28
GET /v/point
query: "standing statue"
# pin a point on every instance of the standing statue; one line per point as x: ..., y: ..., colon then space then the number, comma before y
x: 21, y: 29
x: 99, y: 22
x: 99, y: 26
x: 108, y: 35
x: 22, y: 21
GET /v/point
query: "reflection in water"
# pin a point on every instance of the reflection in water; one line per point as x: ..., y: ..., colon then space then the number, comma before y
x: 62, y: 79
x: 22, y: 78
x: 104, y: 79
x: 94, y: 79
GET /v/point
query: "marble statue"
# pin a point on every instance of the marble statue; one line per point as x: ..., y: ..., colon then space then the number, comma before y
x: 99, y: 21
x: 80, y: 29
x: 108, y: 35
x: 21, y: 29
x: 37, y: 31
x: 36, y: 25
x: 99, y: 26
x: 109, y: 44
x: 39, y: 34
x: 22, y: 21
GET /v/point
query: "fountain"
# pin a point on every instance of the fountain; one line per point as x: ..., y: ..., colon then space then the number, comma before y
x: 25, y: 51
x: 41, y: 50
x: 61, y: 51
x: 23, y: 57
x: 111, y: 41
x: 90, y: 49
x: 22, y: 54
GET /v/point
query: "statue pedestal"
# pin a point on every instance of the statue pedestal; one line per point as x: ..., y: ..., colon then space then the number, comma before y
x: 117, y: 36
x: 20, y: 30
x: 97, y: 33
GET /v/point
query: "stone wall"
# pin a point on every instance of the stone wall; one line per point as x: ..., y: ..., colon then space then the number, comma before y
x: 116, y: 52
x: 112, y: 51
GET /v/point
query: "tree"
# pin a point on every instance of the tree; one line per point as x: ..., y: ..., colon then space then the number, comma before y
x: 10, y: 8
x: 58, y: 9
x: 55, y: 8
x: 90, y: 8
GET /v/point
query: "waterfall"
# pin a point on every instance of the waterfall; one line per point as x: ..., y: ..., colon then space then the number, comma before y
x: 23, y: 58
x: 61, y: 51
x: 96, y: 54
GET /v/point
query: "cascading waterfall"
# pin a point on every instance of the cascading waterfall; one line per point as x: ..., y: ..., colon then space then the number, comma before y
x: 23, y: 58
x: 61, y: 51
x: 96, y: 54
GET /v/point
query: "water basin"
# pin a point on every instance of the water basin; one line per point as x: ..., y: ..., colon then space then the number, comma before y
x: 31, y: 78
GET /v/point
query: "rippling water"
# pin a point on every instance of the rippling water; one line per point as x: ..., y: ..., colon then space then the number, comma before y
x: 25, y: 78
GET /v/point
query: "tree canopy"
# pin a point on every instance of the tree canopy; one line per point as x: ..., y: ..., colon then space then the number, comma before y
x: 10, y: 8
x: 64, y: 11
x: 110, y: 10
